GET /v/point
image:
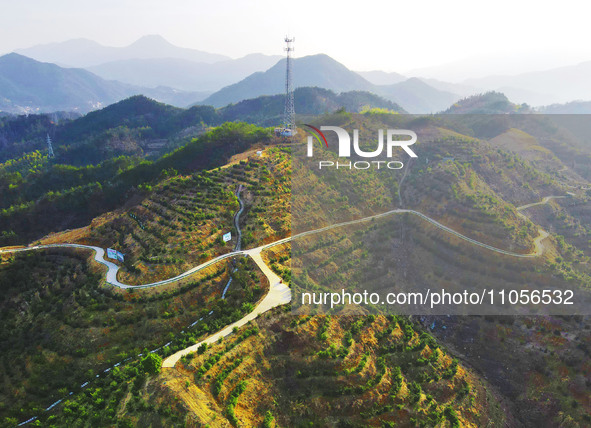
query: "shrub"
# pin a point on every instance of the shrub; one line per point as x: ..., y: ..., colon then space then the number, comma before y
x: 151, y: 363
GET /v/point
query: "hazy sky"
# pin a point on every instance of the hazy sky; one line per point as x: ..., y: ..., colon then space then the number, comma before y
x: 364, y: 35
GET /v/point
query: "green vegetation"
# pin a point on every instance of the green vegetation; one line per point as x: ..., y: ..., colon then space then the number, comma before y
x: 391, y: 376
x: 49, y: 297
x: 268, y: 110
x: 151, y: 363
x: 299, y: 370
x: 181, y: 222
x: 38, y: 192
x: 487, y: 103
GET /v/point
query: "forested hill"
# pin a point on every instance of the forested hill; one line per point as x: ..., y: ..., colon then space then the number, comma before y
x: 140, y: 126
x: 129, y: 127
x: 41, y: 196
x: 268, y: 110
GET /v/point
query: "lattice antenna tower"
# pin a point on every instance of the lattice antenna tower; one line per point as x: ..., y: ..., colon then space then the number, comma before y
x: 289, y: 113
x: 49, y: 147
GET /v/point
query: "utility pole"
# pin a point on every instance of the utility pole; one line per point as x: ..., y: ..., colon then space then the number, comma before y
x: 49, y: 147
x: 289, y: 114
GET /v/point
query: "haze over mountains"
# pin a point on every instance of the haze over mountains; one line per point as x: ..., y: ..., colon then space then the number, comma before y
x: 27, y: 85
x: 184, y: 74
x: 180, y: 76
x: 323, y: 71
x: 557, y: 85
x: 86, y: 53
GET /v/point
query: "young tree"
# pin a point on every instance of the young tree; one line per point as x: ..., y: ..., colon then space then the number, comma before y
x: 152, y: 363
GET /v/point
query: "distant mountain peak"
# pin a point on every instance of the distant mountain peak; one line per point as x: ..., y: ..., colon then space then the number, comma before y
x: 151, y: 40
x: 313, y: 70
x: 14, y: 58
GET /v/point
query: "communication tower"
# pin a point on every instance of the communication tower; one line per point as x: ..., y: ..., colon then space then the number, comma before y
x: 289, y: 126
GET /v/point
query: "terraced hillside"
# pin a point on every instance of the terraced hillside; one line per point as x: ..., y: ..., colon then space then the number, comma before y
x: 466, y: 183
x: 180, y: 222
x: 299, y: 370
x: 43, y: 196
x: 342, y: 371
x: 50, y: 297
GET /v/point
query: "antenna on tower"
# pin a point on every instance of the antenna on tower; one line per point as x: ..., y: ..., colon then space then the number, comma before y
x: 289, y: 127
x: 49, y: 147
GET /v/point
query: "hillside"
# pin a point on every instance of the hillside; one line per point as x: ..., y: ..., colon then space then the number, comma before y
x: 142, y: 127
x: 378, y: 77
x: 574, y: 107
x: 413, y: 95
x: 268, y: 110
x: 27, y: 85
x: 39, y: 192
x: 476, y: 187
x: 459, y: 181
x: 554, y: 85
x: 26, y: 133
x: 134, y: 126
x: 179, y: 223
x: 564, y: 136
x: 360, y: 372
x: 111, y: 327
x: 295, y: 369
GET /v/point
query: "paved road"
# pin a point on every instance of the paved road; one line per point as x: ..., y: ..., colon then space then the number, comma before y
x: 238, y: 237
x: 424, y: 217
x: 237, y: 220
x: 111, y: 276
x: 279, y: 294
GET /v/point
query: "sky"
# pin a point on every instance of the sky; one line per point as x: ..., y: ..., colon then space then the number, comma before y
x: 454, y: 36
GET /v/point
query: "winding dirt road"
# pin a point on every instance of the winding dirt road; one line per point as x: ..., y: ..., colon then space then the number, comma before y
x: 542, y: 234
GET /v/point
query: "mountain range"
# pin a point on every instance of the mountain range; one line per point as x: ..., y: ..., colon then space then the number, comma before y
x: 27, y: 85
x: 183, y: 74
x: 322, y: 71
x: 556, y: 85
x: 41, y: 79
x: 315, y: 70
x: 86, y: 53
